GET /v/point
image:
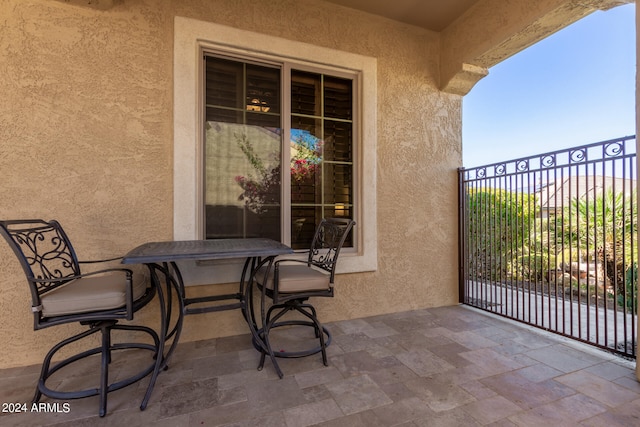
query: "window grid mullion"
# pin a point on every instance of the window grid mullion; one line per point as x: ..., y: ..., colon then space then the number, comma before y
x: 322, y: 188
x: 286, y: 155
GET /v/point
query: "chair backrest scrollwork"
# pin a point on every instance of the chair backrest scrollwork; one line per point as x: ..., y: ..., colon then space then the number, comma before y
x: 44, y: 251
x: 327, y: 242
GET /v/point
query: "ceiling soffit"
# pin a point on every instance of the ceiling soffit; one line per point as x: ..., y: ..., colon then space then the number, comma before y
x: 492, y: 31
x: 434, y: 15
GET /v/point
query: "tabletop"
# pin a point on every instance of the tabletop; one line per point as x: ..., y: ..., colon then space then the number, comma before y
x: 158, y: 252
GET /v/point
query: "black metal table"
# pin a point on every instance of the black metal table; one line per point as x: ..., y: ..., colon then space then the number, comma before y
x: 161, y: 259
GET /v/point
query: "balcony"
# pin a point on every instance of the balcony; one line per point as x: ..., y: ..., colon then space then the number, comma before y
x: 442, y: 366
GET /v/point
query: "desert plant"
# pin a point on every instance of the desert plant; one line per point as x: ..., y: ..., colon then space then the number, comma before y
x: 605, y: 229
x: 499, y: 225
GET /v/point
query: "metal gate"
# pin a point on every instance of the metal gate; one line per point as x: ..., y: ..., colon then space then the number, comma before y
x: 551, y: 240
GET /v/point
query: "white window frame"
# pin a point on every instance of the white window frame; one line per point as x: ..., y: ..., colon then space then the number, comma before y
x: 191, y: 38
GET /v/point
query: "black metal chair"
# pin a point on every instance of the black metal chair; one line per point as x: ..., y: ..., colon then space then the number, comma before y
x: 62, y: 294
x: 292, y: 282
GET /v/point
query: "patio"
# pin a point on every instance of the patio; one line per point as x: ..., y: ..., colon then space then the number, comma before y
x: 442, y: 366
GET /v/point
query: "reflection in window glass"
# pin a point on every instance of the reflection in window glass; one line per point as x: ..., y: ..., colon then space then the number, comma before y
x: 243, y: 140
x: 321, y: 152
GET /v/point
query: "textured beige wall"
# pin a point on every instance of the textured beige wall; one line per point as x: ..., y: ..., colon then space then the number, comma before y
x: 86, y: 138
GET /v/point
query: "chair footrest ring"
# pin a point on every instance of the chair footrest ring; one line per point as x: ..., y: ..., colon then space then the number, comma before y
x: 300, y: 353
x: 48, y: 370
x: 55, y: 394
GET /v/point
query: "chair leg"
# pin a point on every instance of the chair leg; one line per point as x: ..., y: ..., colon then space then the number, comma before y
x: 263, y: 353
x: 263, y: 356
x: 265, y: 336
x: 37, y: 395
x: 318, y: 328
x: 314, y: 318
x: 104, y: 372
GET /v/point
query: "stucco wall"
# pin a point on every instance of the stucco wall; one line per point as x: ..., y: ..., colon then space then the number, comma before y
x: 86, y: 138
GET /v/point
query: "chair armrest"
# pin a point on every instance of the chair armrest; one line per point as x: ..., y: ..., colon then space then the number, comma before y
x: 299, y: 261
x: 127, y: 271
x: 100, y: 260
x: 306, y: 262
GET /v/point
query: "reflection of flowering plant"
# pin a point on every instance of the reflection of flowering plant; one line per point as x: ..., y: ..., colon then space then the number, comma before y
x: 264, y: 189
x: 302, y: 169
x: 306, y: 155
x: 260, y: 192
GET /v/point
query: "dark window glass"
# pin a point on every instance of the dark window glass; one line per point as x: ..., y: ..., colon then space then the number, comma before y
x: 243, y: 140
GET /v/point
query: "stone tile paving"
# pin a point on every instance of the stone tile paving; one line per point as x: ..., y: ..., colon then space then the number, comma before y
x: 449, y: 366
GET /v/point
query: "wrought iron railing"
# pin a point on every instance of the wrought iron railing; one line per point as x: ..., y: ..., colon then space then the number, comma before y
x: 551, y: 240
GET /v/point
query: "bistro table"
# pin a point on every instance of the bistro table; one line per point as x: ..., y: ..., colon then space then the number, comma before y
x: 161, y: 258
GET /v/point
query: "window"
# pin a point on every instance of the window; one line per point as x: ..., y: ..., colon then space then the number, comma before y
x: 242, y: 149
x: 346, y: 182
x: 322, y: 140
x: 248, y: 136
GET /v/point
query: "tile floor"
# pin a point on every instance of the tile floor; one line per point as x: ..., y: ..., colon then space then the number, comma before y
x: 452, y: 366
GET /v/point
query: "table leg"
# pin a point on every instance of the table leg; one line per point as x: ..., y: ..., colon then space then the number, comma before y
x: 173, y: 281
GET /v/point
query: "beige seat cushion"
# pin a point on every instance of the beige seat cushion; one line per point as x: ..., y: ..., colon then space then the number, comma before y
x: 87, y: 294
x: 297, y: 278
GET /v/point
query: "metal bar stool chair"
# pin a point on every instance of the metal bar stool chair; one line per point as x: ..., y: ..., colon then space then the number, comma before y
x: 62, y: 294
x: 292, y: 282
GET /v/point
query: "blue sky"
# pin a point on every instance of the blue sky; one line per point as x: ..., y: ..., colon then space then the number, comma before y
x: 572, y: 88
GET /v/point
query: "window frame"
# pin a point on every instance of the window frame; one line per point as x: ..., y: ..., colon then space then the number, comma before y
x: 193, y: 37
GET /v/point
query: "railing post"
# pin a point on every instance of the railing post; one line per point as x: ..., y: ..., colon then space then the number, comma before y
x: 462, y: 236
